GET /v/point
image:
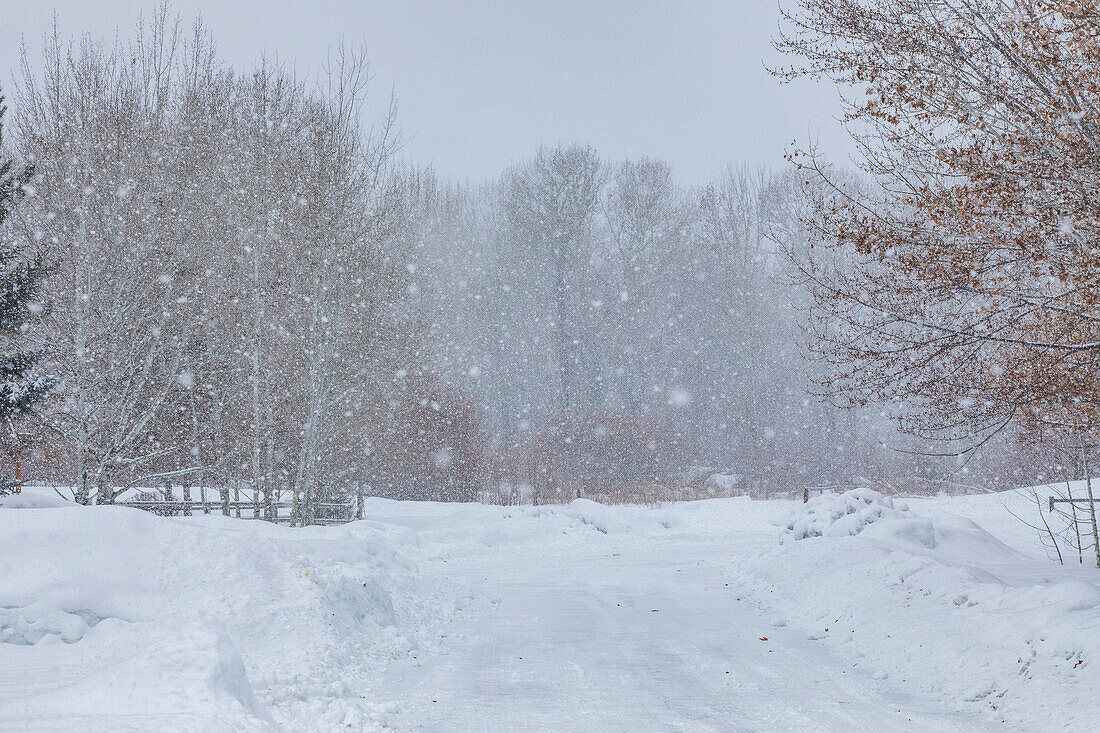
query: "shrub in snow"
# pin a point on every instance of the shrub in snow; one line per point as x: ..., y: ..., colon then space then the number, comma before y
x: 840, y: 515
x: 429, y: 443
x: 602, y: 454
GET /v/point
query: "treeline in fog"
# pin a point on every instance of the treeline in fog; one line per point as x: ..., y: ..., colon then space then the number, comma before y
x: 244, y: 289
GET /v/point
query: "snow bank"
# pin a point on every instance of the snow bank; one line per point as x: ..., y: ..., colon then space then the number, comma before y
x: 130, y: 620
x: 120, y: 619
x: 840, y: 515
x: 39, y: 499
x: 940, y: 605
x: 613, y: 519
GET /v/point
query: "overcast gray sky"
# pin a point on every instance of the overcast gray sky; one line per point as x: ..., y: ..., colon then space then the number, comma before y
x: 482, y: 84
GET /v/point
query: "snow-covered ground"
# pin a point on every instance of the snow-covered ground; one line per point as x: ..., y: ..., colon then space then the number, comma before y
x: 939, y: 614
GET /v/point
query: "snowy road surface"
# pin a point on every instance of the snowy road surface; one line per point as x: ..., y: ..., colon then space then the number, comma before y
x: 634, y: 636
x: 434, y: 617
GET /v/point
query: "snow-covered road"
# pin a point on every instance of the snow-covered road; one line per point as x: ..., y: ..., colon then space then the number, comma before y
x: 630, y: 635
x: 437, y: 617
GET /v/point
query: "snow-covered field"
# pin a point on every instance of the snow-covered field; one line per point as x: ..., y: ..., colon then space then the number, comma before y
x: 940, y: 614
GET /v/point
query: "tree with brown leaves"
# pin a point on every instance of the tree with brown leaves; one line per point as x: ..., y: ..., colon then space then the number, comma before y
x: 961, y: 276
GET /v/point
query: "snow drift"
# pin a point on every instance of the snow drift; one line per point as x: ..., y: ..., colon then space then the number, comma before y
x: 940, y: 605
x: 839, y: 515
x: 203, y: 623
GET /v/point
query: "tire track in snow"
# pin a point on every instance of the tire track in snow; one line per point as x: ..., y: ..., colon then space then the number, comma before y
x: 637, y: 635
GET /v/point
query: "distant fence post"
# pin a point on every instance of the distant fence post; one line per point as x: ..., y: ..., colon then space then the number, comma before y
x: 805, y: 494
x: 187, y: 499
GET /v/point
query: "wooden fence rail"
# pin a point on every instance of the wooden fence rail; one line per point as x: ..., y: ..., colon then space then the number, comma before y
x: 187, y: 507
x: 1082, y: 500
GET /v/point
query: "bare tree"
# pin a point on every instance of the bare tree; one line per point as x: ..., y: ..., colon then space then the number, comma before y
x: 348, y: 207
x: 551, y: 202
x: 967, y: 286
x: 119, y: 324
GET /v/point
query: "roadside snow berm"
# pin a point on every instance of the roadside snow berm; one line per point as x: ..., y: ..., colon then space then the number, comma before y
x: 842, y: 515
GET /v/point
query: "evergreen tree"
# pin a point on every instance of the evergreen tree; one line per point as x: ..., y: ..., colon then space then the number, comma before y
x: 19, y: 280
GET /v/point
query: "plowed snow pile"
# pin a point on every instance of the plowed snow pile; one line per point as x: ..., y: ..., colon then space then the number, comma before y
x: 203, y: 623
x: 840, y: 515
x: 941, y: 606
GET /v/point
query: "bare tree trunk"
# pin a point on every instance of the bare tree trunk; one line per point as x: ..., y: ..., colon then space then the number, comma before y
x: 1046, y: 527
x: 220, y: 474
x: 1092, y: 509
x: 1076, y: 524
x: 103, y: 490
x: 259, y: 427
x: 566, y: 349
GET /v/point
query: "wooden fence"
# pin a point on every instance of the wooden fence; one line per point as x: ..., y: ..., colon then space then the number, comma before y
x: 1082, y: 500
x: 328, y: 512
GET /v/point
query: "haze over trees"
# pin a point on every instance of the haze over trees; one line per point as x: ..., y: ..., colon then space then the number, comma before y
x: 248, y: 292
